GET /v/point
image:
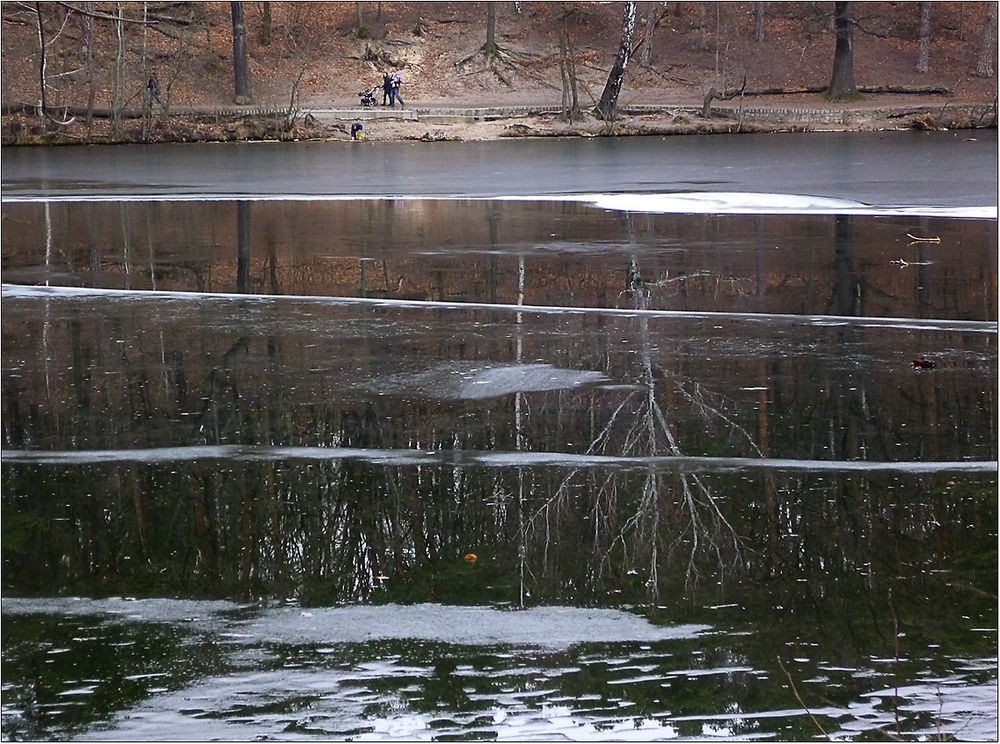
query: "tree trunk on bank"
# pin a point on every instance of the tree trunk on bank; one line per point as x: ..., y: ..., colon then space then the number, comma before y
x: 118, y: 91
x: 652, y: 19
x: 61, y: 18
x: 88, y: 41
x: 703, y: 27
x: 842, y: 83
x: 608, y: 104
x: 564, y: 72
x: 265, y: 27
x: 490, y: 47
x: 241, y: 70
x: 758, y: 22
x: 924, y: 41
x: 567, y: 71
x: 984, y: 65
x: 42, y: 103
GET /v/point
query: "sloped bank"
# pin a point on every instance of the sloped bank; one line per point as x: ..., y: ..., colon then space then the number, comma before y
x: 756, y: 120
x: 434, y: 125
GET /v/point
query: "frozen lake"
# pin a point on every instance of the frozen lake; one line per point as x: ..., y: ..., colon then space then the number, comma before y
x: 900, y: 169
x: 633, y: 440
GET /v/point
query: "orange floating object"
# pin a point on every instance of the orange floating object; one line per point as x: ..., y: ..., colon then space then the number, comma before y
x: 471, y: 558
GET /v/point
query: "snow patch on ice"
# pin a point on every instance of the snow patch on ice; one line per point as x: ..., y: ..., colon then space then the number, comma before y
x: 463, y: 381
x: 749, y: 202
x: 159, y: 610
x: 548, y: 627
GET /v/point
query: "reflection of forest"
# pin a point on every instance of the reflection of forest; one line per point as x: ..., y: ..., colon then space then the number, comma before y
x: 306, y: 374
x: 841, y: 548
x: 469, y: 250
x: 862, y: 552
x: 313, y: 374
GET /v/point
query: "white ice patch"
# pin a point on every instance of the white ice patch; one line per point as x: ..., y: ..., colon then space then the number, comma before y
x: 738, y: 202
x: 158, y: 610
x: 525, y: 378
x: 541, y: 627
x: 546, y: 627
x: 695, y: 202
x: 24, y: 292
x: 483, y: 458
x: 342, y: 706
x: 464, y: 381
x: 958, y: 710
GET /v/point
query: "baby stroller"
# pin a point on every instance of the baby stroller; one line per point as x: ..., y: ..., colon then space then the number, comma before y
x: 368, y: 96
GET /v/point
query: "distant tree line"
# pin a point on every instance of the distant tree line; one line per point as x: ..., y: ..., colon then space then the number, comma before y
x: 70, y: 34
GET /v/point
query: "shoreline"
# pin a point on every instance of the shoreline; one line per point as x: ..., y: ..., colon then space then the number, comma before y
x: 440, y: 124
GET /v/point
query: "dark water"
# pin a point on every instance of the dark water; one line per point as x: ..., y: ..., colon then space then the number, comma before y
x: 249, y: 446
x: 909, y: 168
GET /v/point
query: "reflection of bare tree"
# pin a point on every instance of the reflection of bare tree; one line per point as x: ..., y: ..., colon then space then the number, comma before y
x: 243, y: 245
x: 327, y: 530
x: 519, y: 441
x: 673, y: 513
x: 848, y: 289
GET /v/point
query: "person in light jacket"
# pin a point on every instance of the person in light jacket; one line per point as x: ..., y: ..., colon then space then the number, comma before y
x: 397, y: 80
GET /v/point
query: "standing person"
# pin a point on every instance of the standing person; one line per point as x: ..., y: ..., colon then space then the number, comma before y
x: 386, y: 88
x: 397, y: 80
x: 153, y: 86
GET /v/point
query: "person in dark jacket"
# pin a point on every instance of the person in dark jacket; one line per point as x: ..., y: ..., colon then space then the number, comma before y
x: 386, y: 88
x: 153, y: 87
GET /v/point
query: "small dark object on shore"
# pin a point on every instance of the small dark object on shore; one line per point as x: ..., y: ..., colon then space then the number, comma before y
x: 924, y: 363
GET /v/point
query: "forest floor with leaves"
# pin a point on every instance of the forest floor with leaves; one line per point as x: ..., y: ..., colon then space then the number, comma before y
x: 315, y: 62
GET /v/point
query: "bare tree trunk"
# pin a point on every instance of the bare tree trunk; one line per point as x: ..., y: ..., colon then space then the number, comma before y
x: 758, y: 22
x: 490, y: 47
x: 984, y: 65
x: 924, y: 42
x: 42, y: 104
x: 842, y: 82
x: 652, y: 19
x: 567, y: 69
x: 563, y: 71
x: 61, y: 19
x: 147, y: 108
x: 118, y: 91
x: 241, y: 70
x: 88, y: 40
x: 574, y: 99
x: 609, y: 98
x: 703, y: 26
x: 718, y: 36
x: 265, y: 27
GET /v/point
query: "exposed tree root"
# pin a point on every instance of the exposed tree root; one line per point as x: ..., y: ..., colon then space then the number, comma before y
x: 742, y: 92
x: 501, y: 63
x: 706, y: 109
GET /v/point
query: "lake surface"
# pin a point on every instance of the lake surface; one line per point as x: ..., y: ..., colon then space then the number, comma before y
x: 635, y: 458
